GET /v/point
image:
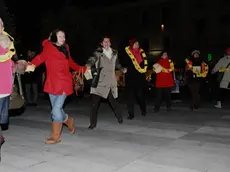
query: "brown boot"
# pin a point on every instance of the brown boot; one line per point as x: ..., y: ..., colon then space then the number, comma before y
x: 70, y: 124
x: 56, y: 133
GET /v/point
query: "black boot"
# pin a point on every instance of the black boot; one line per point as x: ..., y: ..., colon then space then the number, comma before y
x: 91, y: 127
x: 130, y: 117
x: 169, y: 109
x: 2, y: 141
x: 143, y: 113
x: 120, y: 121
x: 156, y: 110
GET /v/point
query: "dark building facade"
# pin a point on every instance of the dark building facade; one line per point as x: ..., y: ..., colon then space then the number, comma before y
x: 178, y: 26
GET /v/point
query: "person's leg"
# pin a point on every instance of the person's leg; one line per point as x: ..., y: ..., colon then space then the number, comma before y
x: 4, y: 117
x: 192, y: 94
x: 167, y: 97
x: 28, y: 94
x: 35, y: 93
x: 141, y: 100
x: 130, y: 103
x: 159, y: 92
x: 116, y: 107
x: 218, y: 95
x: 1, y: 141
x: 58, y: 117
x: 95, y: 105
x: 197, y: 95
x: 194, y: 91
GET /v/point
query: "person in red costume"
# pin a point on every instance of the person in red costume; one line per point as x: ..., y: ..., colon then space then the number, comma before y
x: 58, y: 85
x: 164, y: 81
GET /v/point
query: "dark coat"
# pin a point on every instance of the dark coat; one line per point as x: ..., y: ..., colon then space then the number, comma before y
x: 133, y: 79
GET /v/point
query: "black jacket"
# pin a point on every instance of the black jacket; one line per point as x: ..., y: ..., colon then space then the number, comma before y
x: 133, y: 79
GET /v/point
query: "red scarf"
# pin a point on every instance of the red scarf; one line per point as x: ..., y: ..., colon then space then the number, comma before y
x: 136, y: 51
x: 137, y: 54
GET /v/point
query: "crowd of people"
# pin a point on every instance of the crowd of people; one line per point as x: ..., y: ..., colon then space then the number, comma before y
x: 102, y: 65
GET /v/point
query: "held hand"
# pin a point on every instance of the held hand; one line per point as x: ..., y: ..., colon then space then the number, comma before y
x: 214, y: 72
x: 88, y: 67
x: 125, y: 70
x: 30, y: 67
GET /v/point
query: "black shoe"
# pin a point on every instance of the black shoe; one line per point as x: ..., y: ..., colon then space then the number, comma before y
x: 169, y: 109
x: 34, y: 104
x: 130, y: 117
x: 3, y: 141
x: 193, y: 107
x: 120, y: 121
x: 91, y: 127
x: 143, y: 113
x: 196, y: 107
x: 156, y: 110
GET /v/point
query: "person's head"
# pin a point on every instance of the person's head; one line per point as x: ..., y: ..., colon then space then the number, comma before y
x: 1, y: 26
x: 228, y: 51
x: 164, y: 55
x: 30, y: 54
x: 15, y: 57
x: 134, y: 44
x: 58, y: 37
x: 105, y: 43
x: 196, y: 54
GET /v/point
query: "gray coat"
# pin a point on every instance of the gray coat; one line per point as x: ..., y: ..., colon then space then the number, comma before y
x: 222, y: 64
x: 107, y: 80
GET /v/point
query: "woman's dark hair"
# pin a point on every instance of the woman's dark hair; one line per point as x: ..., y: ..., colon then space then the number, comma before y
x: 53, y: 39
x: 102, y: 39
x: 53, y: 35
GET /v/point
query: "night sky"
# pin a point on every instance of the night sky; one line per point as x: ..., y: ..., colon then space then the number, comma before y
x: 27, y: 14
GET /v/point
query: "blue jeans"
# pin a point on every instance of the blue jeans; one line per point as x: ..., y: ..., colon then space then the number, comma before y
x: 57, y: 102
x: 4, y: 107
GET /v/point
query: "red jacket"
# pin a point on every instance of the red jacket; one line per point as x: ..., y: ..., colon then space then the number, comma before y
x: 164, y: 80
x: 58, y: 77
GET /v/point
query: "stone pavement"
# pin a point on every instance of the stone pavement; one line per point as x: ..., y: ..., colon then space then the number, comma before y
x: 180, y: 141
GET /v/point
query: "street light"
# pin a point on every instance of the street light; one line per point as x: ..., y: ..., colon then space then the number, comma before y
x: 163, y: 27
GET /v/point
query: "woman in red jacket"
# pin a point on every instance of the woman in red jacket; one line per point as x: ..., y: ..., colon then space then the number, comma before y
x: 164, y: 81
x: 58, y: 85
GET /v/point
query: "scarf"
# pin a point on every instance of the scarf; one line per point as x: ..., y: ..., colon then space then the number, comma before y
x: 108, y: 53
x: 137, y: 54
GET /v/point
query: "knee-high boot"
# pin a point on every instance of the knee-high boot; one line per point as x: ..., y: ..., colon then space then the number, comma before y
x: 69, y: 122
x: 56, y: 133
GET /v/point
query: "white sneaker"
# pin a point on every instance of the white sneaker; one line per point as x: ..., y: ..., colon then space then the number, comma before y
x: 218, y: 105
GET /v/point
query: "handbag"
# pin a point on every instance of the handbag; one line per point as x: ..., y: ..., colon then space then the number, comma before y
x: 96, y: 74
x: 220, y: 75
x: 78, y: 81
x: 17, y: 100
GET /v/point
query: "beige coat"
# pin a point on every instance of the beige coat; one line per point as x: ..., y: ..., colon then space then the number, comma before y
x: 222, y: 63
x: 107, y: 80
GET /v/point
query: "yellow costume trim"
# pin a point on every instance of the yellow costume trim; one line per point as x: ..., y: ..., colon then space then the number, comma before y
x: 170, y: 69
x: 224, y: 70
x: 189, y: 66
x: 11, y: 50
x: 204, y: 69
x: 136, y: 65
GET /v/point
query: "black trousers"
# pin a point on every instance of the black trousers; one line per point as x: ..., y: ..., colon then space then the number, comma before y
x: 163, y: 94
x: 96, y: 103
x: 135, y: 94
x: 194, y: 89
